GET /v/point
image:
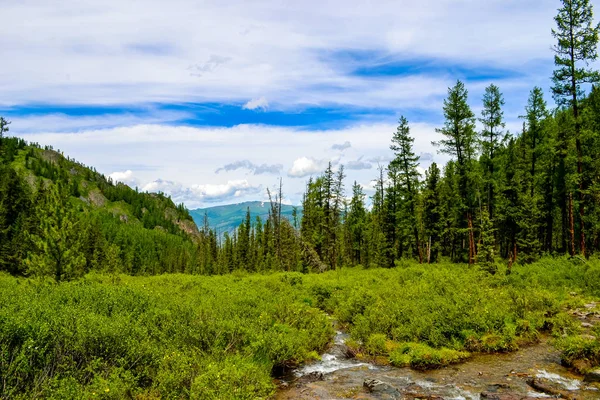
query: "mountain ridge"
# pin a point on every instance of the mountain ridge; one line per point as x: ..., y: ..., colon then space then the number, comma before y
x: 226, y: 218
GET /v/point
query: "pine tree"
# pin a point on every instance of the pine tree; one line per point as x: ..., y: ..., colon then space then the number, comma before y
x: 355, y: 222
x: 3, y: 127
x: 432, y: 212
x: 492, y: 119
x: 458, y: 142
x: 57, y: 248
x: 486, y: 246
x: 536, y: 113
x: 577, y: 41
x: 407, y: 162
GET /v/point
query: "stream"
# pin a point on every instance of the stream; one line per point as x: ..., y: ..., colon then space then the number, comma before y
x: 484, y: 376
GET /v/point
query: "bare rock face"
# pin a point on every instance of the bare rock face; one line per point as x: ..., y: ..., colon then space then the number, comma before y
x: 97, y: 198
x: 188, y: 227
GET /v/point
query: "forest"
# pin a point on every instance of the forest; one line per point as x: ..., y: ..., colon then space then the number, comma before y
x: 109, y: 292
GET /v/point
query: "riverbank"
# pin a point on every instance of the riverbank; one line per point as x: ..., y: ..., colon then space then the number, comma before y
x: 228, y: 336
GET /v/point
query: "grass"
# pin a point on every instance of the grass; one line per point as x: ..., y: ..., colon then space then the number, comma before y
x: 182, y: 336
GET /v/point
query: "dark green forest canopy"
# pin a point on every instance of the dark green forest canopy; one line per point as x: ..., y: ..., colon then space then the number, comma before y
x: 510, y: 196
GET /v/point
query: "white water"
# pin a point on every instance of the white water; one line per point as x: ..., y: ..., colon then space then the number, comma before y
x: 333, y: 360
x: 569, y: 384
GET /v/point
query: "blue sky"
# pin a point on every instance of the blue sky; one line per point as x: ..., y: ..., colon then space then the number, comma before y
x: 164, y: 94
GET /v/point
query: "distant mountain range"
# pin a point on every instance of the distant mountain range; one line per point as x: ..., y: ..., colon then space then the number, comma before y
x: 228, y: 218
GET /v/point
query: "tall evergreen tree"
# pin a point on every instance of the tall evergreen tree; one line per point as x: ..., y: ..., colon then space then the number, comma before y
x: 432, y: 212
x: 58, y: 248
x: 492, y: 119
x: 459, y: 142
x: 577, y: 42
x: 406, y: 162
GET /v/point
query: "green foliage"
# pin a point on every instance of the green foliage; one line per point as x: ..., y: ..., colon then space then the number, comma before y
x: 57, y: 253
x: 170, y: 337
x: 576, y: 349
x: 422, y: 357
x: 577, y: 40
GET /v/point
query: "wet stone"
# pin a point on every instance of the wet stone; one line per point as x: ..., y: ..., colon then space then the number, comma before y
x: 379, y: 387
x: 311, y: 377
x: 493, y: 388
x: 593, y: 376
x: 548, y: 387
x: 504, y: 396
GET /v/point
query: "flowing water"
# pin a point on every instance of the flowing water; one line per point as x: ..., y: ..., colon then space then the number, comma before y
x: 485, y: 376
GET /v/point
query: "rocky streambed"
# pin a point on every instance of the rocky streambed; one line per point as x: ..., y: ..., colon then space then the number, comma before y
x: 530, y: 373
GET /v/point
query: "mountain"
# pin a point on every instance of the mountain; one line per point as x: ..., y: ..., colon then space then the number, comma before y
x: 60, y: 217
x: 227, y: 218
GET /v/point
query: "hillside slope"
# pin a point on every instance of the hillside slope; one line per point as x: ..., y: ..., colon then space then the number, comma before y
x: 57, y: 214
x: 228, y: 218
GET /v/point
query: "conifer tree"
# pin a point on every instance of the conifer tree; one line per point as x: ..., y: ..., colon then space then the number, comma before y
x: 577, y: 41
x: 492, y: 119
x: 536, y: 113
x: 57, y: 247
x: 406, y: 162
x: 486, y: 245
x: 356, y: 221
x: 432, y: 212
x: 459, y: 142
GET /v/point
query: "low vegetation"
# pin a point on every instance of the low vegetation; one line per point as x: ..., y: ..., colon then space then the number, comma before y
x: 182, y: 336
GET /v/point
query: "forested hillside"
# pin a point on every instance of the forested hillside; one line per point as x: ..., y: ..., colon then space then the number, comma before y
x: 510, y: 196
x: 495, y: 251
x: 62, y: 219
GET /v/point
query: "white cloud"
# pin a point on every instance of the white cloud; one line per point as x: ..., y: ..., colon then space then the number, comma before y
x: 256, y: 169
x: 306, y: 166
x: 181, y: 160
x: 125, y: 177
x: 341, y: 147
x: 157, y: 51
x: 256, y: 104
x: 359, y: 164
x: 199, y: 194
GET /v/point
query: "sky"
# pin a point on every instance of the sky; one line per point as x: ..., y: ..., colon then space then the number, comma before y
x: 212, y: 102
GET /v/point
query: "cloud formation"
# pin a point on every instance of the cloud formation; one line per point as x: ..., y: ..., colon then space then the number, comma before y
x: 256, y: 169
x: 341, y: 147
x: 125, y: 177
x: 257, y: 104
x: 210, y: 65
x: 426, y: 157
x: 357, y: 165
x: 306, y: 166
x: 289, y: 54
x: 196, y: 195
x: 182, y: 160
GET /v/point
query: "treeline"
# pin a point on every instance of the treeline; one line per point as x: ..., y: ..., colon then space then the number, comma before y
x: 502, y: 196
x: 61, y: 219
x: 512, y: 196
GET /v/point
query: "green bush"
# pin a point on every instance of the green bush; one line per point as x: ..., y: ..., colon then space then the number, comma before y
x: 420, y: 356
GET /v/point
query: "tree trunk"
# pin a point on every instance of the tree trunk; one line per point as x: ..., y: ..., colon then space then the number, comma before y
x: 471, y: 240
x: 571, y: 226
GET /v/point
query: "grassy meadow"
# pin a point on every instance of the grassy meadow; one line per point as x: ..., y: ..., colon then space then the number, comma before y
x: 221, y: 337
